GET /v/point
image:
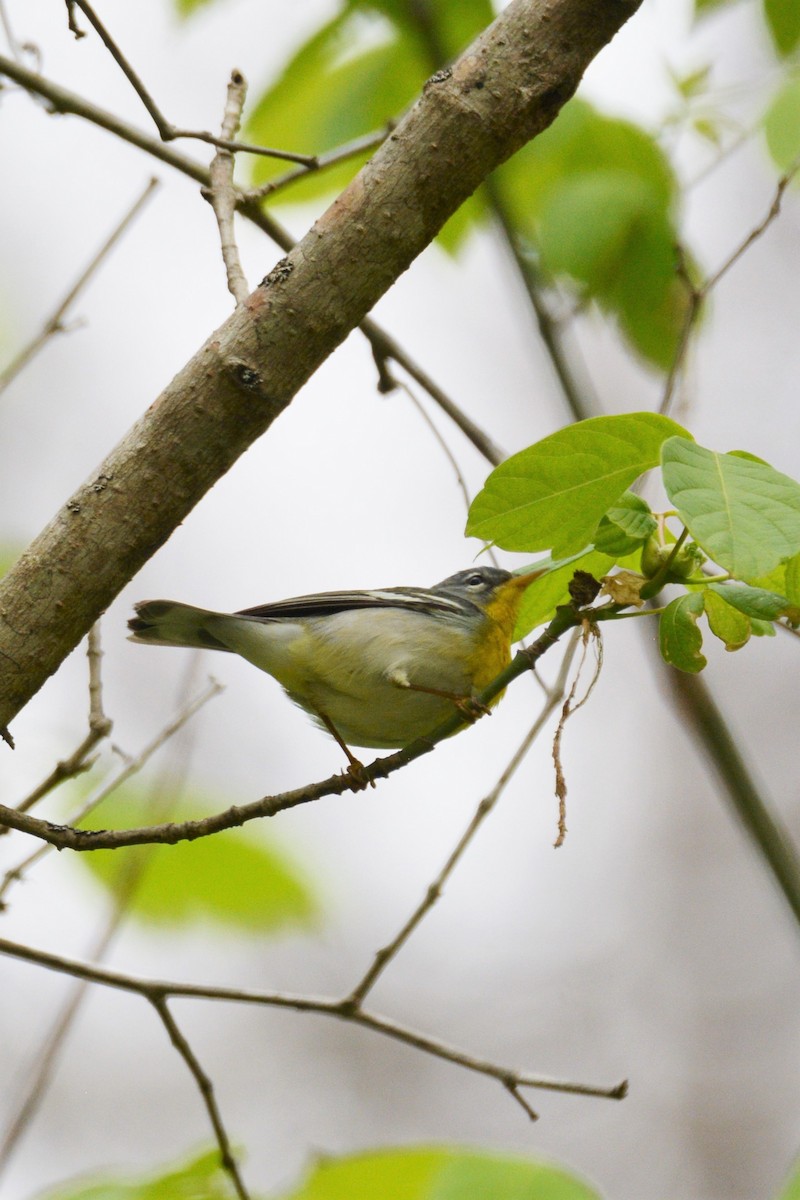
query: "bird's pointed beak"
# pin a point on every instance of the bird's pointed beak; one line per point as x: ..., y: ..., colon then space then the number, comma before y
x: 524, y: 581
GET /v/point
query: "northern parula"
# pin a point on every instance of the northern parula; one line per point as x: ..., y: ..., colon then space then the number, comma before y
x: 376, y: 669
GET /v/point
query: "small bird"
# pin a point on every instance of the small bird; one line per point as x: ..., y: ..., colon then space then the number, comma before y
x: 375, y: 668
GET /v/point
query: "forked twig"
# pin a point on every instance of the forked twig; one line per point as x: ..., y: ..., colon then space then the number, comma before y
x: 55, y: 322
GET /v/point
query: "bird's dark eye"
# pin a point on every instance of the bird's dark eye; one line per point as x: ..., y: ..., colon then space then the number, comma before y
x: 475, y: 581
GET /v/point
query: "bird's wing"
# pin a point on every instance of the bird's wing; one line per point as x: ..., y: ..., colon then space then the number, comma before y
x: 327, y: 604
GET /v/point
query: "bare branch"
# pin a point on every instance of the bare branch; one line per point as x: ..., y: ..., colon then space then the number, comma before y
x: 332, y: 158
x: 157, y: 991
x: 166, y: 130
x: 222, y: 194
x: 487, y: 804
x: 55, y: 322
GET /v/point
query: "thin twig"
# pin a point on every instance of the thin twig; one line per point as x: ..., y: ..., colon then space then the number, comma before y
x: 332, y: 158
x: 100, y: 727
x: 167, y: 131
x: 384, y: 347
x: 55, y: 322
x: 206, y: 1089
x: 569, y: 708
x: 132, y: 767
x: 221, y: 193
x: 487, y: 804
x: 343, y: 1010
x: 698, y: 293
x: 448, y: 453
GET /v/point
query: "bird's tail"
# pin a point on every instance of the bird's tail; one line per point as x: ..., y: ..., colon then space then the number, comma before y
x: 169, y: 623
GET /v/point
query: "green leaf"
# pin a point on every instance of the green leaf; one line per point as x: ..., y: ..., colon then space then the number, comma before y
x: 761, y: 628
x: 438, y: 1173
x: 752, y: 601
x: 352, y: 77
x: 554, y: 494
x: 235, y: 877
x: 702, y: 7
x: 199, y: 1179
x: 597, y: 196
x: 726, y: 622
x: 783, y: 22
x: 625, y: 526
x: 360, y: 71
x: 791, y: 1189
x: 792, y: 580
x: 679, y: 637
x: 745, y: 515
x: 782, y: 125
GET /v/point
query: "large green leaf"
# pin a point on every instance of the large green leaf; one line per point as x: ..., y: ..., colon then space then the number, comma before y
x: 679, y: 637
x: 783, y: 22
x: 200, y: 1179
x: 553, y: 495
x: 782, y: 124
x: 745, y: 514
x: 438, y: 1173
x: 235, y: 877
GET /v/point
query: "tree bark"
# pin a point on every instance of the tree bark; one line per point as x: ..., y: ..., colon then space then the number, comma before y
x: 507, y: 87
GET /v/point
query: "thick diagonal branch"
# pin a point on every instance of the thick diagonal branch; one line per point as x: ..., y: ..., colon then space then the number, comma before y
x: 506, y: 88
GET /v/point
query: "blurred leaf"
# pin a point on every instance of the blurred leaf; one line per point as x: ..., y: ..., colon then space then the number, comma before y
x: 590, y: 221
x: 791, y: 1189
x: 744, y: 514
x: 679, y: 637
x: 187, y: 7
x: 761, y: 628
x: 200, y: 1179
x: 8, y: 556
x: 234, y: 877
x: 597, y: 195
x: 701, y: 7
x: 554, y: 494
x: 438, y: 1173
x: 693, y: 83
x: 782, y: 125
x: 360, y: 71
x: 708, y: 129
x: 783, y: 22
x: 726, y: 622
x: 356, y: 74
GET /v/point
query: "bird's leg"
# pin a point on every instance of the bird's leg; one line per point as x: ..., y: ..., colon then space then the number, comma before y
x: 356, y: 769
x: 469, y: 707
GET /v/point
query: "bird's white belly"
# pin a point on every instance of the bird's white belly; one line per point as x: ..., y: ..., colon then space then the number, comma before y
x: 343, y: 666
